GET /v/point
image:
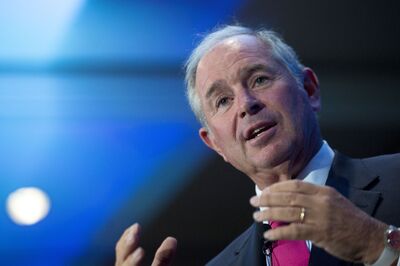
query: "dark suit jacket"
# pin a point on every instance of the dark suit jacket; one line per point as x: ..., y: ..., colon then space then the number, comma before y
x: 372, y: 184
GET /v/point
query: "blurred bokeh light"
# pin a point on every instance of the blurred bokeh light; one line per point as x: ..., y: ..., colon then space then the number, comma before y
x: 27, y: 206
x: 92, y: 111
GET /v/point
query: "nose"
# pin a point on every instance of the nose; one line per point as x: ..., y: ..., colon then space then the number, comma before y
x: 248, y: 104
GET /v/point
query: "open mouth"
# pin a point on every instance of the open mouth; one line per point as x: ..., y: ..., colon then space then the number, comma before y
x: 257, y: 131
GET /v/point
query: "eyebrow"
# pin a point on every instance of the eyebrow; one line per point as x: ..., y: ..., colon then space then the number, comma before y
x: 249, y: 70
x: 243, y: 73
x: 216, y: 85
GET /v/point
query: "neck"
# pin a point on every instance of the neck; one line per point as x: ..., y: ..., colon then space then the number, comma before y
x: 289, y: 168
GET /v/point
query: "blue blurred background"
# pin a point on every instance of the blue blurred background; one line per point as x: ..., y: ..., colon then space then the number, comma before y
x: 92, y: 111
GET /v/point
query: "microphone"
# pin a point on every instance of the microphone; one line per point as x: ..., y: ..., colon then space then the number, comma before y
x: 268, y: 244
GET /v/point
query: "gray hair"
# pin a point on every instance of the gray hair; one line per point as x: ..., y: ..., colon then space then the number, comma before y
x: 280, y: 50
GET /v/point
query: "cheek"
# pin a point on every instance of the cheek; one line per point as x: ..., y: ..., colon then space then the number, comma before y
x: 289, y: 110
x: 220, y: 132
x: 286, y: 107
x: 224, y: 125
x: 224, y: 138
x: 226, y: 141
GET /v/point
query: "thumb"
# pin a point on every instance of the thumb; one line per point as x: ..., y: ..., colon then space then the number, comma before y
x: 165, y: 253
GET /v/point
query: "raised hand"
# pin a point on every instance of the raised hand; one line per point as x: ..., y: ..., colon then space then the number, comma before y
x: 129, y: 253
x: 322, y: 215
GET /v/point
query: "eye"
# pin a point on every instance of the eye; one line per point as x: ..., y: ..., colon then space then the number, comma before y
x: 222, y: 101
x: 261, y: 80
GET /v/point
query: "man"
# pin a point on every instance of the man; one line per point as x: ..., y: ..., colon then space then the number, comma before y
x: 257, y: 105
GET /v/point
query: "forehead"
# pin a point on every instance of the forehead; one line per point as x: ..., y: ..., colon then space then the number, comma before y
x: 227, y: 57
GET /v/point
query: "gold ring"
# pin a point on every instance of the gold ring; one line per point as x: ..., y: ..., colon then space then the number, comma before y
x: 302, y: 214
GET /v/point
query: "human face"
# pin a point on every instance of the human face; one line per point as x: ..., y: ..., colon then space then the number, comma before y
x: 259, y: 118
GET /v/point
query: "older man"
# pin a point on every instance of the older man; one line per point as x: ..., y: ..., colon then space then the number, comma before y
x: 257, y: 105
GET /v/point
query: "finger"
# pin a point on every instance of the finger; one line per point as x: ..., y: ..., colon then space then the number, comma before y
x: 283, y: 214
x: 282, y: 199
x: 165, y: 253
x: 293, y: 231
x: 135, y: 259
x: 128, y: 242
x: 294, y: 186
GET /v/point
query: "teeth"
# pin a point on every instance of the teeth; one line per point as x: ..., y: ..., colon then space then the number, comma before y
x: 257, y: 131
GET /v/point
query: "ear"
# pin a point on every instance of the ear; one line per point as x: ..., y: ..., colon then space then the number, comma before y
x: 208, y: 138
x: 311, y: 86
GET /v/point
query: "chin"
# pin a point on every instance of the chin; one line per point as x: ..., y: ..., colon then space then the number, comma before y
x: 275, y: 154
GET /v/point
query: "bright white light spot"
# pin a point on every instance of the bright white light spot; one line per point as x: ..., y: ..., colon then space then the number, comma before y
x: 27, y: 206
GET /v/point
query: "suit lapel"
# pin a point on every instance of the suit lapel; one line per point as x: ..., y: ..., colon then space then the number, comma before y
x: 249, y: 251
x: 352, y: 179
